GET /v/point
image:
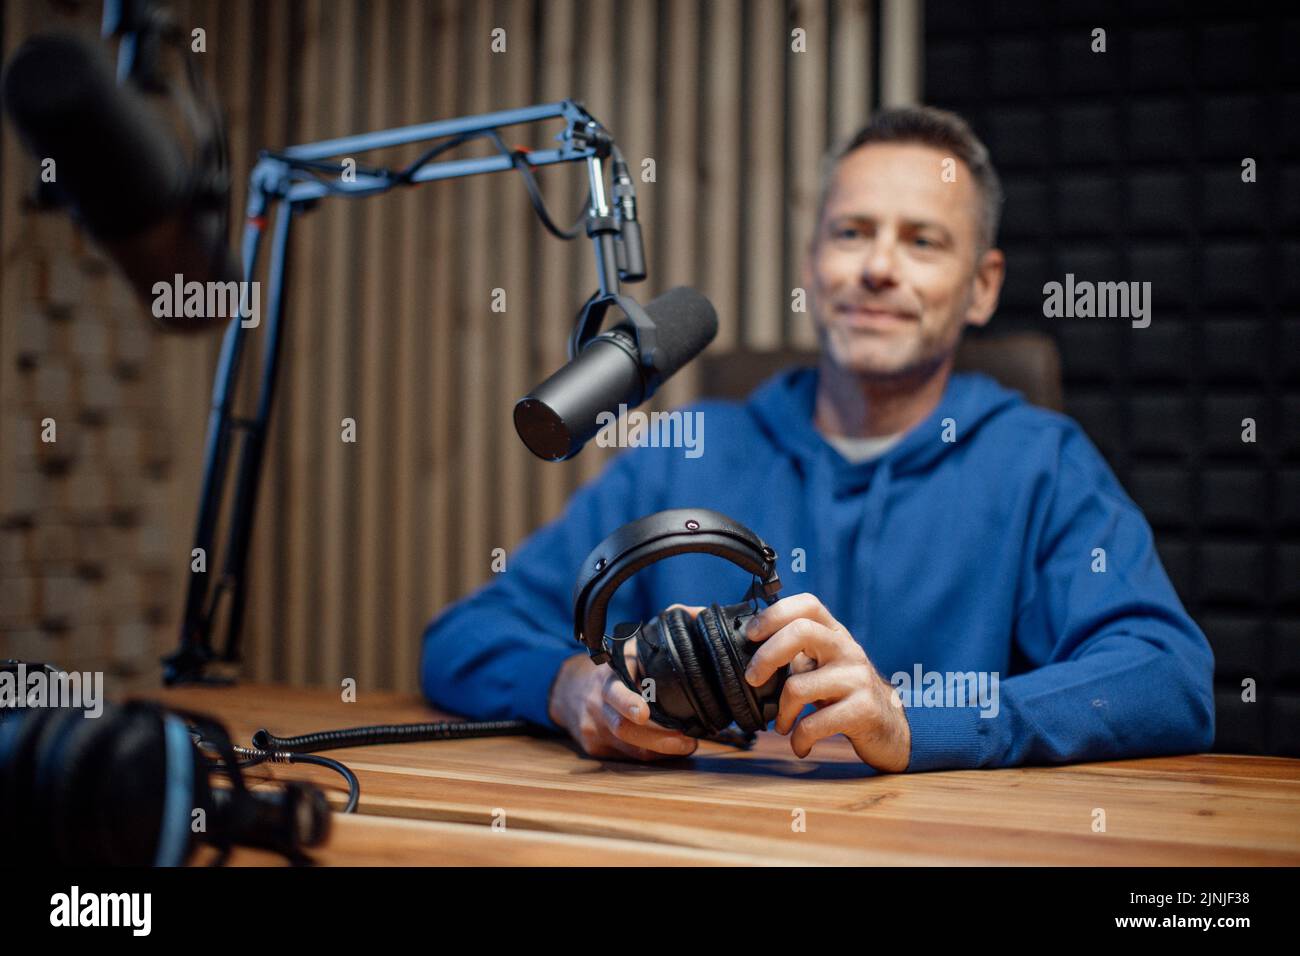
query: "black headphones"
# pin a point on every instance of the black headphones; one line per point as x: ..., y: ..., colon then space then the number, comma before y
x: 696, y: 666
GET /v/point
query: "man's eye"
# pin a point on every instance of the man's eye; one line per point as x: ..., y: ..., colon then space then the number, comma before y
x: 925, y: 242
x: 847, y: 232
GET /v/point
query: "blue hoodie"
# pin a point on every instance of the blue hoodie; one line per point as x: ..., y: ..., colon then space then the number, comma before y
x: 992, y: 539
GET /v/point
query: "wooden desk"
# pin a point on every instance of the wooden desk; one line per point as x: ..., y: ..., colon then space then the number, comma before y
x: 723, y: 806
x: 359, y: 839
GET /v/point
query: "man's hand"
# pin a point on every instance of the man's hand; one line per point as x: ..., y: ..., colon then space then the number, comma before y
x: 607, y: 718
x: 829, y: 670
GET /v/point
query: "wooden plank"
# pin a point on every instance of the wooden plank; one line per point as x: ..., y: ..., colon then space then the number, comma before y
x: 807, y: 136
x: 304, y: 381
x: 268, y: 566
x: 765, y: 300
x: 438, y: 461
x: 408, y: 412
x: 519, y: 228
x: 851, y: 68
x: 281, y: 477
x: 557, y: 298
x: 901, y: 52
x: 334, y: 585
x: 1193, y: 810
x: 679, y: 189
x: 721, y: 197
x: 394, y: 207
x: 371, y: 267
x: 359, y: 840
x: 474, y: 338
x: 594, y: 83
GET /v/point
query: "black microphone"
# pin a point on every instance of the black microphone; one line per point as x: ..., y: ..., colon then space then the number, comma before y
x: 121, y: 789
x: 559, y: 416
x: 282, y: 821
x: 123, y: 172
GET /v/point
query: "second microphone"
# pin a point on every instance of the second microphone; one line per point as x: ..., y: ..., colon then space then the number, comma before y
x: 560, y: 415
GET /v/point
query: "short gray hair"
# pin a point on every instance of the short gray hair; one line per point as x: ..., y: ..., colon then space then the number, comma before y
x: 928, y: 126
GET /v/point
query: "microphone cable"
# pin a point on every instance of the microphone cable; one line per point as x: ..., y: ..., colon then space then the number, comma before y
x: 268, y: 748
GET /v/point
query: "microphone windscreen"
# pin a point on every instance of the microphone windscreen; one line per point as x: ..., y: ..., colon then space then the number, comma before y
x: 685, y: 323
x: 114, y: 158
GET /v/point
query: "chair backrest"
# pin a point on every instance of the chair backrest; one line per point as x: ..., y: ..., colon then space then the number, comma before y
x: 1028, y: 362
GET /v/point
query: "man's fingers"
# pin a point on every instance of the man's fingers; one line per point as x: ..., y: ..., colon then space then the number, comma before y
x: 801, y: 635
x: 826, y: 722
x: 801, y: 663
x: 627, y: 716
x: 771, y: 619
x: 800, y: 690
x: 613, y: 747
x: 650, y: 737
x: 602, y: 742
x: 624, y: 700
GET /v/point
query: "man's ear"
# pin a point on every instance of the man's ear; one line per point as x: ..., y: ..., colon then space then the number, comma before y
x: 989, y: 273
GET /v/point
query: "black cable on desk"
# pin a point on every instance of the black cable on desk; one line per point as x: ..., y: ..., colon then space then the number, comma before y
x: 390, y: 734
x: 298, y: 749
x: 258, y: 756
x: 354, y: 785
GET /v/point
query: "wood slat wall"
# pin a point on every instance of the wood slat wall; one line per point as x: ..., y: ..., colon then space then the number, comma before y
x: 390, y: 323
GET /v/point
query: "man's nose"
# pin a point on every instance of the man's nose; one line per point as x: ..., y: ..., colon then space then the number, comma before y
x: 879, y: 268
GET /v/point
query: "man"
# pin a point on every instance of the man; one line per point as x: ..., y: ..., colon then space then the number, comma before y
x: 943, y: 532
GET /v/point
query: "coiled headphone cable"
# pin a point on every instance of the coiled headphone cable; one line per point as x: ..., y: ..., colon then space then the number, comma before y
x: 268, y: 748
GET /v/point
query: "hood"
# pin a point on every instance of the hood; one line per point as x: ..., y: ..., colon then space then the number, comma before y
x: 783, y: 408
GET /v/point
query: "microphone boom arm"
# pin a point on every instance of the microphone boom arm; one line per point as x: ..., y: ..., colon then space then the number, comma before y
x: 290, y: 179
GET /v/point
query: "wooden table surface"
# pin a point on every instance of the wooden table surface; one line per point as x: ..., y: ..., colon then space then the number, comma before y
x: 359, y: 839
x: 552, y: 805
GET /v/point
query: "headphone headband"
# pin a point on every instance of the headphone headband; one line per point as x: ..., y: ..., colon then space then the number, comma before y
x: 651, y: 539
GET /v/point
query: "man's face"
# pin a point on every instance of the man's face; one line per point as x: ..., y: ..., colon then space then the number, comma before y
x: 894, y: 270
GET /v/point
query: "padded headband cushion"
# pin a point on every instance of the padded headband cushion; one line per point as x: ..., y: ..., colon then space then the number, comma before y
x: 651, y: 539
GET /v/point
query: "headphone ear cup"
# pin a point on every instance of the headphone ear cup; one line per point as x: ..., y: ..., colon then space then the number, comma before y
x: 50, y: 818
x: 714, y: 631
x: 766, y: 698
x: 680, y: 630
x: 20, y: 735
x: 78, y: 769
x: 125, y: 816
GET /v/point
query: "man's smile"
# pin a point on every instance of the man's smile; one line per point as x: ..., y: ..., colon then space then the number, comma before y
x: 872, y: 317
